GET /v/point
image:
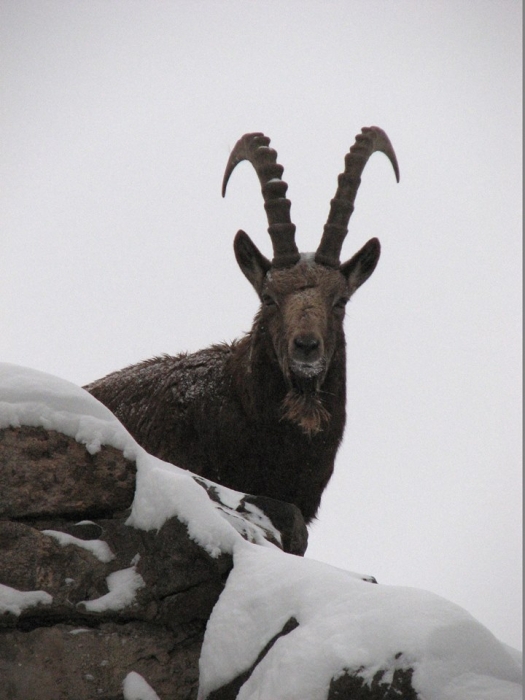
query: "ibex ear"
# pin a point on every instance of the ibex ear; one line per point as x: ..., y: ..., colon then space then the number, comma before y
x: 251, y: 261
x: 359, y: 268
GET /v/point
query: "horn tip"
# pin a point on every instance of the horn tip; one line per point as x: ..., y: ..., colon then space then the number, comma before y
x: 386, y: 146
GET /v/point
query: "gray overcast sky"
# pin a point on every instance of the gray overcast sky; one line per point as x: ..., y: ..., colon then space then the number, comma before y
x: 117, y: 120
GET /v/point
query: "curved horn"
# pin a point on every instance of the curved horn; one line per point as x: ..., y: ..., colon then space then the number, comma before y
x: 370, y: 139
x: 255, y: 148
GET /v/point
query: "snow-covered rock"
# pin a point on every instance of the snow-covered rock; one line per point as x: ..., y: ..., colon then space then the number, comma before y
x: 110, y: 560
x: 13, y: 601
x: 344, y: 625
x: 147, y: 561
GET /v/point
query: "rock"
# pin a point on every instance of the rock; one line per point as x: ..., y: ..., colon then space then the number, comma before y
x: 352, y: 686
x: 170, y: 564
x: 286, y: 527
x: 86, y: 598
x: 156, y: 631
x: 78, y: 662
x: 45, y: 473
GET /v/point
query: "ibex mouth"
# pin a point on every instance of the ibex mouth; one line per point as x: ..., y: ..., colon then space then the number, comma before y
x: 307, y: 376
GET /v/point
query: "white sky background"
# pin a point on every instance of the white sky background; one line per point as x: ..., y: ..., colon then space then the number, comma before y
x: 117, y: 119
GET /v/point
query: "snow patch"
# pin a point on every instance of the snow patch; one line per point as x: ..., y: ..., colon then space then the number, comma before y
x: 30, y: 397
x: 98, y: 548
x: 249, y: 520
x: 256, y: 532
x: 135, y: 687
x: 257, y: 516
x: 123, y: 586
x: 15, y: 602
x: 80, y: 630
x: 164, y: 491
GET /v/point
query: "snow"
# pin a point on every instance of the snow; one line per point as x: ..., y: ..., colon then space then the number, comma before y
x: 245, y: 517
x: 164, y: 491
x: 80, y: 630
x: 136, y: 688
x: 98, y: 548
x: 123, y: 586
x: 15, y: 602
x: 30, y: 397
x: 344, y: 621
x: 257, y: 516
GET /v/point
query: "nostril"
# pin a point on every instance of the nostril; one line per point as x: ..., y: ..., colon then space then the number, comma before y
x: 306, y: 345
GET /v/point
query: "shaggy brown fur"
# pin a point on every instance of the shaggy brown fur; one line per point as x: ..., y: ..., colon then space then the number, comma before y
x: 229, y: 413
x: 264, y: 415
x: 305, y: 410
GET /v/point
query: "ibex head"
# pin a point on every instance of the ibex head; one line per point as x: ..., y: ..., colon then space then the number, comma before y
x: 303, y: 296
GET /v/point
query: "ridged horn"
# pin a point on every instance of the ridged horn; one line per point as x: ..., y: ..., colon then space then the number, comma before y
x: 370, y: 140
x: 255, y: 148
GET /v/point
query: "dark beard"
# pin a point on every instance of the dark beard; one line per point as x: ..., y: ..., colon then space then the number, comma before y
x: 305, y: 409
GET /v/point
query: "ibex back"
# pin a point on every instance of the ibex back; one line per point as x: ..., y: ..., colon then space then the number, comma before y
x: 265, y: 414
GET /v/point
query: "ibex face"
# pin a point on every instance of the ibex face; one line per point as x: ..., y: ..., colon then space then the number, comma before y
x: 303, y: 308
x: 303, y: 297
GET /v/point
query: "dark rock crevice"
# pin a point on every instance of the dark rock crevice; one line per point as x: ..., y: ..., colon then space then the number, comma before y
x: 231, y: 689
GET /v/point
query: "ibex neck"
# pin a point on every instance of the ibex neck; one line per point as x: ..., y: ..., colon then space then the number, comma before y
x: 255, y: 374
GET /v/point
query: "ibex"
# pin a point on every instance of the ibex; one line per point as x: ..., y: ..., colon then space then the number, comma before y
x: 265, y: 414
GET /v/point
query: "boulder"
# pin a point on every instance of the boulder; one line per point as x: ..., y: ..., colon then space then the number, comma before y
x: 43, y: 472
x: 86, y: 598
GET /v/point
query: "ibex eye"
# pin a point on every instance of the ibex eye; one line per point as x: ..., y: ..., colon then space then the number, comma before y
x: 268, y: 300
